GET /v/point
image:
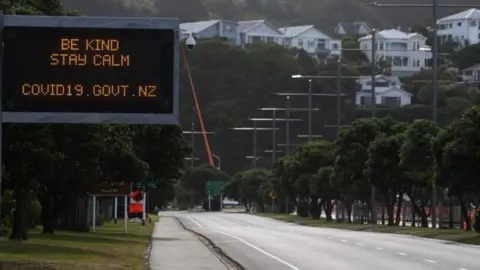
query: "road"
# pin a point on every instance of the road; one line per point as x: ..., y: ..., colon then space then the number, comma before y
x: 266, y: 244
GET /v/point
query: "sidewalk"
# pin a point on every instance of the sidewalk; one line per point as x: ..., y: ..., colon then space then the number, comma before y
x: 174, y: 248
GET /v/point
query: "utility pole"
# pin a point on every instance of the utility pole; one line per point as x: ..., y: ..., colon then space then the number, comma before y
x: 192, y: 145
x: 339, y: 97
x: 373, y: 105
x: 274, y: 136
x: 434, y: 100
x: 287, y: 146
x: 309, y: 109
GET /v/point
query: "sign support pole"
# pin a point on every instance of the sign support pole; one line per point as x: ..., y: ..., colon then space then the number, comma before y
x: 209, y: 202
x: 144, y: 214
x: 94, y: 212
x: 125, y: 213
x: 221, y: 201
x: 115, y: 209
x: 2, y: 229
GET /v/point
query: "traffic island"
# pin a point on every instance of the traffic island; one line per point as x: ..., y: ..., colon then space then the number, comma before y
x: 454, y: 235
x: 107, y: 248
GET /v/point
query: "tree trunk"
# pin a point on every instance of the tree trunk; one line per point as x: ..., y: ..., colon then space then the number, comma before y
x: 328, y: 207
x: 47, y: 215
x: 399, y: 209
x: 466, y: 217
x: 315, y: 210
x: 420, y: 211
x: 349, y: 205
x: 19, y: 230
x: 389, y: 205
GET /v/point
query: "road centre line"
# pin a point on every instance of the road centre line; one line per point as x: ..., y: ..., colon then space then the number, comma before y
x: 291, y: 266
x: 430, y: 261
x: 401, y: 254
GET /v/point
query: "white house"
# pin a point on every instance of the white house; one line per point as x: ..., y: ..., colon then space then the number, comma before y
x: 471, y: 74
x: 311, y: 40
x: 258, y: 31
x: 404, y: 51
x: 463, y: 27
x: 388, y: 91
x: 211, y: 29
x: 352, y: 28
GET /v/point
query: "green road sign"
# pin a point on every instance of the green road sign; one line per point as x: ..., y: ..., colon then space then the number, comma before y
x: 214, y: 188
x: 147, y: 184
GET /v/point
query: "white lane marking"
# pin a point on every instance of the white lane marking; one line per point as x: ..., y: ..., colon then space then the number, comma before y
x: 291, y: 266
x: 379, y: 248
x: 430, y: 261
x: 462, y: 269
x: 359, y: 244
x: 345, y: 241
x: 330, y: 237
x: 196, y: 223
x: 401, y: 254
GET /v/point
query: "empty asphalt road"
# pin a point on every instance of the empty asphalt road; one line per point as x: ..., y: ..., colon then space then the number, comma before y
x: 264, y: 244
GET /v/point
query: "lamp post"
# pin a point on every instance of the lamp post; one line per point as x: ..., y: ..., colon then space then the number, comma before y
x: 274, y: 129
x: 274, y: 120
x: 219, y: 164
x: 192, y: 133
x: 254, y: 129
x: 434, y: 6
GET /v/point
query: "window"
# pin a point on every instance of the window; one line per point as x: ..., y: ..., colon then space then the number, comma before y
x: 321, y: 44
x: 459, y: 23
x: 381, y: 46
x: 335, y: 45
x: 288, y: 42
x: 473, y: 23
x: 397, y: 61
x: 449, y: 25
x: 300, y: 42
x: 365, y: 46
x: 270, y: 39
x: 365, y: 100
x: 382, y: 84
x: 391, y: 101
x: 310, y: 43
x: 478, y: 35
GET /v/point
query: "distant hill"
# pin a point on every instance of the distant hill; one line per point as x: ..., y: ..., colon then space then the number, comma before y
x: 324, y: 14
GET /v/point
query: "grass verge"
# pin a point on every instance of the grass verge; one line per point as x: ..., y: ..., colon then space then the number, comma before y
x: 107, y: 248
x: 454, y: 235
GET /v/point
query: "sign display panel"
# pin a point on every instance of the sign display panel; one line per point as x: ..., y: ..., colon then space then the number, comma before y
x: 88, y: 70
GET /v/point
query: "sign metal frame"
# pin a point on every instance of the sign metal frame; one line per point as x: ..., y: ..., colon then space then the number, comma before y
x: 95, y: 22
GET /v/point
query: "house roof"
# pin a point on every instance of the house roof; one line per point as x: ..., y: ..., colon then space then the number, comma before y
x: 294, y: 31
x: 392, y: 34
x: 352, y: 28
x: 196, y: 27
x: 395, y: 89
x: 472, y: 13
x: 246, y: 26
x: 366, y: 78
x: 474, y: 67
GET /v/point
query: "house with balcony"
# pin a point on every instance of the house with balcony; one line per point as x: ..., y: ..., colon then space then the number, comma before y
x: 462, y: 27
x: 211, y: 29
x: 258, y: 31
x: 352, y: 29
x: 310, y: 39
x: 388, y: 91
x: 406, y: 53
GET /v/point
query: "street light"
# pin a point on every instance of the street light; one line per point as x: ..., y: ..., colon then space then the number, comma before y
x: 219, y: 161
x: 192, y: 133
x: 274, y: 120
x: 254, y: 129
x: 434, y: 5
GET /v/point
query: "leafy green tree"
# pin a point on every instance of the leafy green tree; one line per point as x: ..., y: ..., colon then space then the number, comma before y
x: 456, y: 150
x: 382, y: 166
x: 416, y: 158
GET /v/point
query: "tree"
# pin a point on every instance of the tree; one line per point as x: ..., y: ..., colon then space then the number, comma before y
x: 456, y: 150
x: 416, y: 158
x: 382, y: 166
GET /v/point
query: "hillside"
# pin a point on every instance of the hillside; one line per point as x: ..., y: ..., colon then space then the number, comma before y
x: 323, y: 13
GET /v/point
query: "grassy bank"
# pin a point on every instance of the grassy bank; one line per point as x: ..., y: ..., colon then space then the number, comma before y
x: 455, y: 235
x: 107, y: 248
